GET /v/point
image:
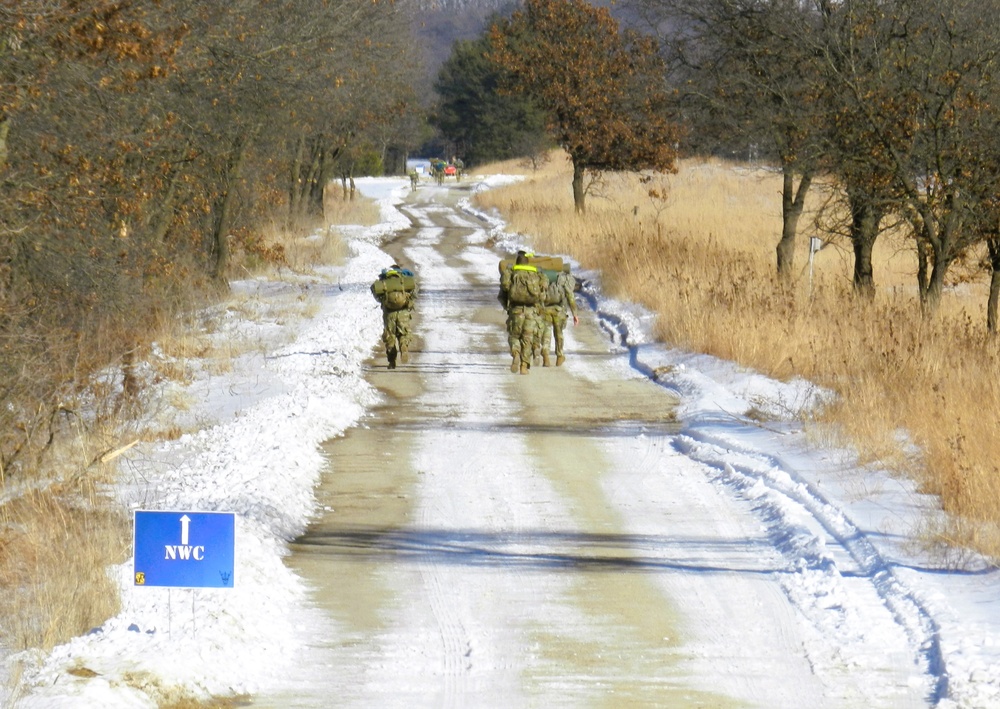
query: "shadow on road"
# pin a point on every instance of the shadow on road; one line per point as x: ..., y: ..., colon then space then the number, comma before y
x: 541, y: 550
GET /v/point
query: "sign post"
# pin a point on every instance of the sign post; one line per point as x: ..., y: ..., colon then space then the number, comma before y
x: 184, y: 549
x: 815, y: 244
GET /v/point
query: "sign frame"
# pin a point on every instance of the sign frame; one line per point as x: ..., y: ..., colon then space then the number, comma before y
x: 183, y: 549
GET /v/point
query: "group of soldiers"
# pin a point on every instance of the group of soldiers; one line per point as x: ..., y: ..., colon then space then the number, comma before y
x: 539, y: 301
x: 439, y: 170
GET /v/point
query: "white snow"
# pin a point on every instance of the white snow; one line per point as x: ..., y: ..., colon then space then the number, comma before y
x: 829, y: 530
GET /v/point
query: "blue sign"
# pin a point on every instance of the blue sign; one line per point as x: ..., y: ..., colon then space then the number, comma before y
x: 184, y: 549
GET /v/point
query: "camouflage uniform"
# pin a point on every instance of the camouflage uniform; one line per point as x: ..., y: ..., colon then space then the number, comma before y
x: 522, y: 318
x: 559, y: 303
x: 396, y: 332
x: 437, y: 170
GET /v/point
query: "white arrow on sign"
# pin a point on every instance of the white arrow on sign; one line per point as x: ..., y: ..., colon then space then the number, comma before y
x: 185, y: 521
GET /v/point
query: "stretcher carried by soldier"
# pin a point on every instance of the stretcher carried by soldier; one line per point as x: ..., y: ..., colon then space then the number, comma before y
x: 555, y: 309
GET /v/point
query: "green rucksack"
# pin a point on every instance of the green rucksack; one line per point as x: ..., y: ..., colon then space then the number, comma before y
x: 553, y: 294
x: 394, y: 290
x: 396, y: 299
x: 525, y: 288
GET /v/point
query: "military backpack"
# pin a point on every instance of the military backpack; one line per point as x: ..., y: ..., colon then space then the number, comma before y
x: 525, y: 287
x: 394, y: 290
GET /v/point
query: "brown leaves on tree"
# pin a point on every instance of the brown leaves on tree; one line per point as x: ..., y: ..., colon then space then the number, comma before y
x: 139, y: 142
x: 604, y: 91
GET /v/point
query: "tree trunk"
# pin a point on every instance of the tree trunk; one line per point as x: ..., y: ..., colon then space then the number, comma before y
x: 225, y: 208
x: 925, y: 254
x: 165, y: 212
x: 944, y: 250
x: 220, y: 243
x: 935, y: 287
x: 319, y: 175
x: 296, y: 186
x: 991, y: 304
x: 864, y: 279
x: 865, y: 219
x: 4, y: 132
x: 130, y: 380
x: 578, y: 191
x: 792, y: 204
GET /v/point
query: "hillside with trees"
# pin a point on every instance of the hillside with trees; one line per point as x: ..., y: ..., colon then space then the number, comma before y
x: 895, y: 102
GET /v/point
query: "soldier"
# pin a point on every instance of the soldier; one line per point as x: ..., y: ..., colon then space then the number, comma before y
x: 559, y: 303
x: 437, y: 170
x: 522, y: 288
x: 396, y: 291
x: 414, y: 177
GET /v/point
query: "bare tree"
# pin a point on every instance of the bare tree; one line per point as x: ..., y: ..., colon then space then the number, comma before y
x: 909, y: 82
x: 747, y: 75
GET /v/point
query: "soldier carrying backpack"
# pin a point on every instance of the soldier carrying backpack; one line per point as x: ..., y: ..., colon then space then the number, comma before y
x: 522, y: 288
x: 396, y: 291
x: 559, y: 304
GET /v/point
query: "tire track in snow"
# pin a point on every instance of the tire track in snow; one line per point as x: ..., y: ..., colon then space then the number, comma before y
x: 467, y: 655
x: 771, y: 488
x: 456, y: 654
x: 456, y: 642
x: 744, y: 470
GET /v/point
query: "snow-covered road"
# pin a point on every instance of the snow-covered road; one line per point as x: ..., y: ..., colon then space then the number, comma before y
x: 558, y: 539
x: 640, y: 527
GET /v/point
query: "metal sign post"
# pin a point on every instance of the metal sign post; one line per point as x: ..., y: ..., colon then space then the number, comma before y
x: 815, y: 244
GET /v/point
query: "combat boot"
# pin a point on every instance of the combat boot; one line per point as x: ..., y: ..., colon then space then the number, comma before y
x: 525, y: 367
x: 559, y: 360
x: 404, y: 354
x: 546, y: 362
x: 391, y: 356
x: 516, y: 364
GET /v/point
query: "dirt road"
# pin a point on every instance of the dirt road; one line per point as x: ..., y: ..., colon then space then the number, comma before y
x: 498, y: 540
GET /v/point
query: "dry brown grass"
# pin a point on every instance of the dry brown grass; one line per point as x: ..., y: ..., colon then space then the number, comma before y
x: 319, y: 243
x: 240, y: 700
x: 57, y: 541
x: 311, y: 242
x: 360, y: 210
x: 55, y: 549
x: 703, y: 260
x: 320, y: 248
